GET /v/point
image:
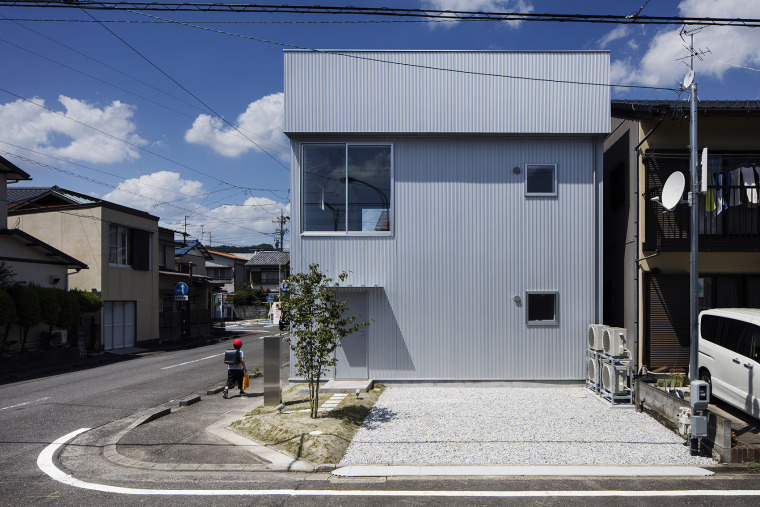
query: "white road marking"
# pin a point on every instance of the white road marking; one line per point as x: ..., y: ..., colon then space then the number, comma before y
x: 193, y: 361
x: 25, y: 403
x: 45, y: 463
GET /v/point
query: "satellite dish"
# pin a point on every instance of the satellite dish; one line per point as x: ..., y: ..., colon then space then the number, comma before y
x: 688, y: 79
x: 673, y: 190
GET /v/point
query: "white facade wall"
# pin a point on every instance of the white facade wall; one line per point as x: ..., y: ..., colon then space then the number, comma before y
x: 465, y: 241
x: 464, y: 237
x: 362, y: 92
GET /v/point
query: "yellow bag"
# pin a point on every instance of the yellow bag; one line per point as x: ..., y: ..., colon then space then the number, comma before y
x: 245, y: 382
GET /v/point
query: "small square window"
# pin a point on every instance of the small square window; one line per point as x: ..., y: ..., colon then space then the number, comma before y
x: 542, y: 308
x: 541, y: 179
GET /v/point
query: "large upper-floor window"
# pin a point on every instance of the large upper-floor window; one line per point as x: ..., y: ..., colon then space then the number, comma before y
x: 347, y: 187
x: 130, y: 247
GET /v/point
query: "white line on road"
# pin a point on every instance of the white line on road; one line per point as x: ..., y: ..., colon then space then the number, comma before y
x: 45, y: 463
x: 193, y: 361
x: 25, y: 403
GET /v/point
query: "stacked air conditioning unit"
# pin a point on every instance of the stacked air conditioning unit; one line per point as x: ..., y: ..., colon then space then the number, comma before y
x: 613, y: 378
x: 614, y: 341
x: 591, y: 371
x: 595, y: 336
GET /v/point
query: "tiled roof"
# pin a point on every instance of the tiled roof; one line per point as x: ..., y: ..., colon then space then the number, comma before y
x: 275, y: 258
x: 649, y: 108
x: 16, y: 194
x: 182, y: 250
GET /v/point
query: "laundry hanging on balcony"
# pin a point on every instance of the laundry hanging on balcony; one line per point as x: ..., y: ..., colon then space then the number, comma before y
x: 750, y: 184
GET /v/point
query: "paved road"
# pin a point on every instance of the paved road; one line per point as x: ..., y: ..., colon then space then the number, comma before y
x: 35, y: 413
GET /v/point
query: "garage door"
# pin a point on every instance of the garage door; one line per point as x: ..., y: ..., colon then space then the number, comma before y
x: 119, y: 319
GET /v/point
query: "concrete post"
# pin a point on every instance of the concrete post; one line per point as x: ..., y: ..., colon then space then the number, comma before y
x: 272, y: 365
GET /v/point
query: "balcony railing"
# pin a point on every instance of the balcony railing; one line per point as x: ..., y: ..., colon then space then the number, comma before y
x: 729, y: 214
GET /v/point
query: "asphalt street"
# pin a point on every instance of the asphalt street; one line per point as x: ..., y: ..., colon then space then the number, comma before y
x: 35, y: 413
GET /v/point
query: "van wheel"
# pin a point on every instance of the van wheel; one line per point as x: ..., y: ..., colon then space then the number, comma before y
x: 704, y: 376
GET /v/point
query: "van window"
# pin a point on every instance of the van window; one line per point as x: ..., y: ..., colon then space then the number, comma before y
x: 756, y: 344
x: 737, y: 336
x: 709, y: 327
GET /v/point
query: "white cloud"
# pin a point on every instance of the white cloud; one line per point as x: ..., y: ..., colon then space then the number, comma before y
x: 736, y: 45
x: 28, y: 125
x: 523, y: 6
x: 143, y: 193
x: 262, y: 122
x: 613, y: 35
x: 170, y: 197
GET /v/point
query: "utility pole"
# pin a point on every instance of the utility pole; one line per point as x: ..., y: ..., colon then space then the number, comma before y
x: 281, y: 229
x: 690, y: 83
x: 184, y: 234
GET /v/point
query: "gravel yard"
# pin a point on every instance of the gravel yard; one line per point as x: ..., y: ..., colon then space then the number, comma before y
x: 463, y: 425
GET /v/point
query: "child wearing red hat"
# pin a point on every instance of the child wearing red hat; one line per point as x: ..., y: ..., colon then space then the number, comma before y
x: 236, y: 371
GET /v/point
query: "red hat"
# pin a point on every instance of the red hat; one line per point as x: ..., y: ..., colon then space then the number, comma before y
x: 237, y: 343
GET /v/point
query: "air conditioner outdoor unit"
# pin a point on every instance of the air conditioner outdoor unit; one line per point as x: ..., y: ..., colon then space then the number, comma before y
x: 60, y: 337
x: 613, y: 379
x: 614, y: 341
x: 591, y: 373
x: 595, y: 332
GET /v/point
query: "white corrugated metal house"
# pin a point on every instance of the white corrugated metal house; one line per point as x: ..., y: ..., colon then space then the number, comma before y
x: 461, y: 190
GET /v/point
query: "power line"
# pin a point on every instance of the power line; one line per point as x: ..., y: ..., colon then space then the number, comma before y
x: 187, y: 91
x: 406, y: 64
x: 97, y: 182
x: 136, y: 146
x: 456, y: 15
x: 220, y: 22
x: 136, y: 180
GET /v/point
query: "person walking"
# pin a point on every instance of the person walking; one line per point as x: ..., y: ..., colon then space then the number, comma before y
x: 235, y: 368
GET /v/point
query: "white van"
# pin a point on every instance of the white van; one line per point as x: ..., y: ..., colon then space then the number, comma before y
x: 729, y: 351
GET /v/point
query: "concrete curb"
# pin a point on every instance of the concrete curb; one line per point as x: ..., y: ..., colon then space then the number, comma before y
x: 277, y: 461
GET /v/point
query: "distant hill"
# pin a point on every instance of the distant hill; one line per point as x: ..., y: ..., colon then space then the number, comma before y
x: 249, y: 249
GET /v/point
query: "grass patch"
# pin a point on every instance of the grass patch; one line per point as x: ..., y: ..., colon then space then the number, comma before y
x: 291, y: 431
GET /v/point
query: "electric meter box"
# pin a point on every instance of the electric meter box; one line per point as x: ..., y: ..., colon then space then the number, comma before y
x: 699, y: 395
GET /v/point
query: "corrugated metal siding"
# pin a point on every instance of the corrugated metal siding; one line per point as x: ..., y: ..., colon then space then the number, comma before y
x: 667, y: 321
x: 466, y: 241
x: 359, y: 92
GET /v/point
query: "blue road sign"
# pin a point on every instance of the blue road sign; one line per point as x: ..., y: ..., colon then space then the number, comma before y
x: 180, y: 289
x: 285, y: 286
x: 270, y: 299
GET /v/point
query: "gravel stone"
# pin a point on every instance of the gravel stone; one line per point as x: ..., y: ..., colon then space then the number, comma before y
x: 465, y: 425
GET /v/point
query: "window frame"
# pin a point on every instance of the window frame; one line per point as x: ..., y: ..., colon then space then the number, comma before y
x: 555, y: 185
x: 123, y: 243
x: 554, y: 322
x: 346, y: 232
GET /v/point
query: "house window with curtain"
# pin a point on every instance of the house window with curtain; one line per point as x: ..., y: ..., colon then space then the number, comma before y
x: 129, y: 247
x: 346, y: 188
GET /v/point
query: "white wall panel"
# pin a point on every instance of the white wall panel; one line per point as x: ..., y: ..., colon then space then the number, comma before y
x: 465, y: 241
x: 413, y: 92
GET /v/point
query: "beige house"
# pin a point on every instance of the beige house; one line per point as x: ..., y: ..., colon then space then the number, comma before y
x: 118, y: 243
x: 646, y: 260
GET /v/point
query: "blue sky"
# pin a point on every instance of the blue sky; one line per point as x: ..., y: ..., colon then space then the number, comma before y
x: 180, y: 160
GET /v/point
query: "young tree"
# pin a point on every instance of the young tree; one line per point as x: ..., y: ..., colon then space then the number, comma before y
x: 318, y: 320
x: 27, y: 310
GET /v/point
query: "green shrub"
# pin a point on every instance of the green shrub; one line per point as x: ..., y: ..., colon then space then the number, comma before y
x: 70, y: 310
x: 7, y: 318
x: 88, y: 301
x: 27, y: 310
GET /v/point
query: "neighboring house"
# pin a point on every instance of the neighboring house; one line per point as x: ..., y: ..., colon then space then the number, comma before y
x: 461, y: 191
x: 228, y: 271
x: 649, y: 142
x: 190, y: 267
x: 268, y: 269
x: 119, y: 245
